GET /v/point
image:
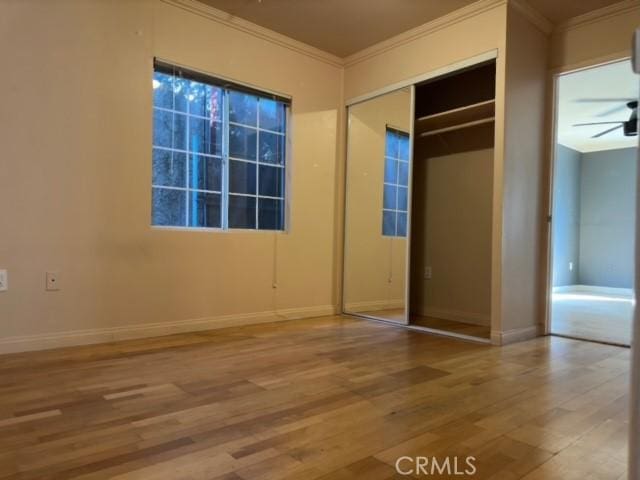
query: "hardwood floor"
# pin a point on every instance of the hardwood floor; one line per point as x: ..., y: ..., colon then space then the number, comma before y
x: 470, y: 329
x: 328, y: 398
x: 390, y: 315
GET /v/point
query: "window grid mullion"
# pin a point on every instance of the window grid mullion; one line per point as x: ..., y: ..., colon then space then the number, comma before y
x: 257, y: 160
x: 189, y: 158
x: 225, y: 160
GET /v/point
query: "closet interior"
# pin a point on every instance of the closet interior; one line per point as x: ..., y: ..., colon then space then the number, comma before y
x: 452, y: 197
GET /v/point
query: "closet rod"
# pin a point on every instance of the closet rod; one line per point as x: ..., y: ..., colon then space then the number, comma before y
x: 458, y: 127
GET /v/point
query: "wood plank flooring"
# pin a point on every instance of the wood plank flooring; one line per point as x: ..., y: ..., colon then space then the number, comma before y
x: 331, y: 398
x: 470, y: 329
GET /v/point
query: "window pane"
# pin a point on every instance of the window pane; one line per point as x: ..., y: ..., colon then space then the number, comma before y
x: 206, y: 173
x: 389, y: 202
x: 205, y: 209
x: 391, y: 149
x: 242, y: 142
x: 270, y: 214
x: 243, y: 108
x: 402, y: 224
x: 403, y: 173
x: 162, y: 90
x: 168, y: 207
x: 272, y: 115
x: 205, y: 101
x: 402, y: 198
x: 205, y: 136
x: 242, y: 212
x: 388, y: 223
x: 271, y: 181
x: 242, y: 177
x: 272, y: 148
x: 403, y: 147
x: 169, y: 130
x: 169, y: 168
x: 390, y: 170
x: 180, y: 94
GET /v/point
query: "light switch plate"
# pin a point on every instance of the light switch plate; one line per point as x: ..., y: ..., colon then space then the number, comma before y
x: 53, y: 281
x: 4, y: 281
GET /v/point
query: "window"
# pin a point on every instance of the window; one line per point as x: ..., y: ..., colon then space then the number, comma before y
x: 219, y: 153
x: 396, y: 183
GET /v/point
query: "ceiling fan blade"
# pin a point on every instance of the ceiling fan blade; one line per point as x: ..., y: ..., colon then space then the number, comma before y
x: 606, y: 100
x: 606, y: 131
x: 613, y: 110
x: 594, y: 123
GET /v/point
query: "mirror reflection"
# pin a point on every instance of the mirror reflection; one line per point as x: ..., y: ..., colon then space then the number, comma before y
x: 377, y: 200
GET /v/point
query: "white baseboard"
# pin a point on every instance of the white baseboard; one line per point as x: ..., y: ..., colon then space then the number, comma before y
x: 103, y: 335
x: 515, y: 335
x: 594, y: 289
x: 456, y: 316
x: 373, y: 306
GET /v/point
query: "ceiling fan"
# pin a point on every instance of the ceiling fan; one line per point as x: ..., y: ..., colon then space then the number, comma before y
x: 629, y: 127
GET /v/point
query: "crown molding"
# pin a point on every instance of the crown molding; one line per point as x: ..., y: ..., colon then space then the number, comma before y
x: 621, y: 8
x: 536, y: 18
x: 428, y: 28
x: 251, y: 28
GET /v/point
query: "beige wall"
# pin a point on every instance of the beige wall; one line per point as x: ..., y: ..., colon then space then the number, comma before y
x: 441, y: 45
x: 523, y: 217
x: 76, y: 174
x: 375, y: 265
x: 451, y: 234
x: 593, y: 38
x: 75, y: 182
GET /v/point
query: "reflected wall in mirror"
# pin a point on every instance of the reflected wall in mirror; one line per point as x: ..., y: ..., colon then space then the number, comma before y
x: 377, y: 206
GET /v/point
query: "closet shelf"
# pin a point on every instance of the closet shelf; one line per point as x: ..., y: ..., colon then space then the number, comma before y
x: 458, y: 127
x: 458, y: 117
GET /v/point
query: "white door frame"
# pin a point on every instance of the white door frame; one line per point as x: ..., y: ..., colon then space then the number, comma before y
x: 555, y: 76
x: 634, y: 421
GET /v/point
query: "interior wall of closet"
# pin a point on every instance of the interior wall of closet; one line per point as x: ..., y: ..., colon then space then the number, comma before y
x: 452, y: 202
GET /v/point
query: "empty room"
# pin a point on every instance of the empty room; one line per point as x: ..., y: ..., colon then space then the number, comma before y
x: 337, y: 239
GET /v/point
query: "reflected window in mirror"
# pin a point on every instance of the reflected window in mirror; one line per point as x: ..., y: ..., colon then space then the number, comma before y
x: 396, y: 183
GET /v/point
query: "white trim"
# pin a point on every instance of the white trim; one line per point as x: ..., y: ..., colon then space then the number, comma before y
x: 409, y: 82
x: 536, y: 18
x: 102, y: 335
x: 621, y: 8
x: 257, y: 31
x: 423, y: 30
x: 515, y: 335
x: 591, y: 63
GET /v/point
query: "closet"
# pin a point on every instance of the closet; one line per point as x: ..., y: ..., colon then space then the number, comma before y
x: 467, y: 255
x: 452, y: 190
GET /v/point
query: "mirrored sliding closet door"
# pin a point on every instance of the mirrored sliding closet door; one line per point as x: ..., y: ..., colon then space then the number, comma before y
x: 377, y: 206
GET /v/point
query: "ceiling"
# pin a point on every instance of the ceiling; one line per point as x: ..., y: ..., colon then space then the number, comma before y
x: 616, y: 82
x: 344, y: 27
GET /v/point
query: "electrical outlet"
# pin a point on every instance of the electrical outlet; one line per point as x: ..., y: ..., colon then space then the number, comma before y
x: 427, y: 273
x: 4, y: 281
x: 53, y: 281
x: 571, y: 266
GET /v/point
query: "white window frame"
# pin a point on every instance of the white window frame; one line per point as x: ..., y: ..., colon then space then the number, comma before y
x: 228, y: 86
